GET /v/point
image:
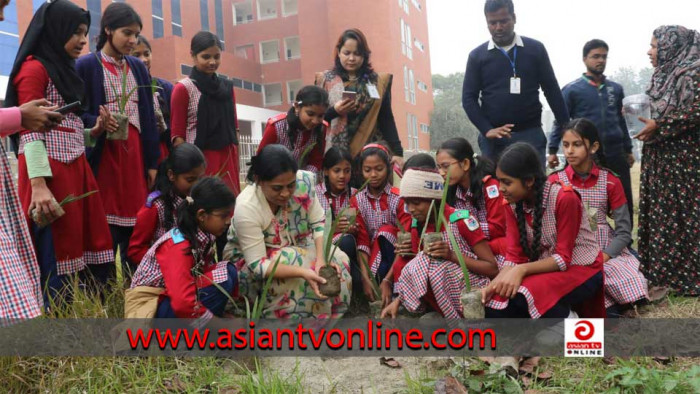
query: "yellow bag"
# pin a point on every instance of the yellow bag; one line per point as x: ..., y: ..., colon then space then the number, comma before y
x: 141, y: 302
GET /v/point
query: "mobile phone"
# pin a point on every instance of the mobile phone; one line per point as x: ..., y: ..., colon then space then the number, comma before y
x: 68, y: 108
x: 347, y: 94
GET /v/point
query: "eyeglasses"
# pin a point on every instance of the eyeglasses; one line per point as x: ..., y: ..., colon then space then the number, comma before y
x: 446, y: 166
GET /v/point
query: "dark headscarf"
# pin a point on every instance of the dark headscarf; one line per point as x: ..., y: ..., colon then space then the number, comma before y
x: 52, y: 26
x: 216, y: 115
x: 672, y: 84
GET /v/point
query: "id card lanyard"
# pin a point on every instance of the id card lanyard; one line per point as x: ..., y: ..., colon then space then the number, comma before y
x: 515, y: 80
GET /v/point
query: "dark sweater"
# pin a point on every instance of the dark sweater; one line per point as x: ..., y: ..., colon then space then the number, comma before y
x: 488, y: 74
x: 601, y: 106
x: 90, y: 70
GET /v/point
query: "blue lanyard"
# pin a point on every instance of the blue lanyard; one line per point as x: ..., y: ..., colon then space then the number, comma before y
x: 515, y: 56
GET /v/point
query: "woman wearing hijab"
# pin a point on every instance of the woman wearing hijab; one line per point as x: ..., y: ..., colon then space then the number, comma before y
x: 669, y: 210
x: 52, y: 165
x: 203, y: 111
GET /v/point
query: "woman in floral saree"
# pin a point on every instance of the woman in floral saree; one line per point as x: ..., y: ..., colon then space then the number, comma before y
x: 277, y: 230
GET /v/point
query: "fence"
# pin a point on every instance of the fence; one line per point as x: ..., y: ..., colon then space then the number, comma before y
x: 247, y: 146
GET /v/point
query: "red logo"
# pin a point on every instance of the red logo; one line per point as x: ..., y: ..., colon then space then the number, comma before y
x: 584, y: 330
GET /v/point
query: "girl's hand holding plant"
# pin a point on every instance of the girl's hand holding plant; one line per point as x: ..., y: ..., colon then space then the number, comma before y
x: 391, y: 310
x: 343, y: 225
x: 404, y: 248
x: 42, y: 199
x: 109, y: 123
x: 440, y: 250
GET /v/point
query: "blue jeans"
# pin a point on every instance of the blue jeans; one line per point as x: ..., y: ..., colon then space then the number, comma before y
x: 492, y: 148
x: 348, y: 245
x: 388, y: 255
x: 211, y: 297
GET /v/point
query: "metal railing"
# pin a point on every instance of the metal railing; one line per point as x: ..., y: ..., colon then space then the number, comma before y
x: 247, y: 146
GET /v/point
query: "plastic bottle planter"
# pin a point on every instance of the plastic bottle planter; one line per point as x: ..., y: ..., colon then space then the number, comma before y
x: 401, y: 238
x: 350, y: 214
x: 122, y: 132
x: 429, y: 238
x: 472, y: 308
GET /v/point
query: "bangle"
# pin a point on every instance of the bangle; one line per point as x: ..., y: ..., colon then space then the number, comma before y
x: 387, y: 280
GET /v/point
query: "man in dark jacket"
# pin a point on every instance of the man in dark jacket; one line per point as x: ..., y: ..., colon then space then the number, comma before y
x: 501, y: 91
x: 599, y: 100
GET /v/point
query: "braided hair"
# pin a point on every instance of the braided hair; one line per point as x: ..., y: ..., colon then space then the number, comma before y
x: 522, y: 162
x: 209, y: 193
x: 182, y: 159
x: 307, y: 96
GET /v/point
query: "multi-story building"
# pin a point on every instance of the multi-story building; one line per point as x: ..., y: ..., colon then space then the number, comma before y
x: 274, y: 47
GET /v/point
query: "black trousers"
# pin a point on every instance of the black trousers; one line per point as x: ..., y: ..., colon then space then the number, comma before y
x: 517, y: 307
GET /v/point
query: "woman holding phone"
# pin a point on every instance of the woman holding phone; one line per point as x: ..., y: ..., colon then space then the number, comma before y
x: 360, y: 99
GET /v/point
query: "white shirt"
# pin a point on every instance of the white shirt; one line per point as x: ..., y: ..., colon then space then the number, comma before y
x: 516, y: 41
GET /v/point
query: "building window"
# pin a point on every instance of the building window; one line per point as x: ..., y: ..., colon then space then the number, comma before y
x: 219, y: 16
x: 176, y: 16
x: 95, y: 8
x: 422, y: 86
x: 267, y: 9
x: 272, y: 94
x: 157, y: 15
x: 245, y: 51
x: 406, y: 45
x: 404, y: 4
x: 185, y: 69
x: 238, y: 83
x: 242, y: 12
x: 204, y: 14
x: 9, y: 39
x: 412, y: 128
x: 269, y: 51
x: 292, y: 48
x: 424, y: 128
x: 411, y: 87
x: 293, y: 88
x: 290, y: 7
x: 406, y: 89
x: 257, y: 88
x: 419, y: 45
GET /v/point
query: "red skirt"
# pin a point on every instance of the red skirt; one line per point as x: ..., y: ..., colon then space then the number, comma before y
x: 122, y: 179
x: 543, y: 291
x: 224, y: 163
x: 164, y: 152
x: 81, y: 236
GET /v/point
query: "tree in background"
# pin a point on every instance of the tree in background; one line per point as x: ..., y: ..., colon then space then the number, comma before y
x: 448, y: 119
x: 633, y: 81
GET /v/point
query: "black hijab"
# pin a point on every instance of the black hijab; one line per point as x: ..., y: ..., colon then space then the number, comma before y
x: 216, y: 114
x: 51, y: 27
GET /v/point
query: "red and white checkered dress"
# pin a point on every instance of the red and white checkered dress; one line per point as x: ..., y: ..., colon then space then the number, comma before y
x: 624, y: 283
x: 463, y: 200
x: 148, y: 272
x: 444, y: 278
x: 223, y: 162
x: 20, y: 288
x: 121, y: 173
x: 378, y: 222
x: 81, y: 236
x: 329, y: 200
x: 542, y: 291
x: 160, y: 207
x: 300, y: 145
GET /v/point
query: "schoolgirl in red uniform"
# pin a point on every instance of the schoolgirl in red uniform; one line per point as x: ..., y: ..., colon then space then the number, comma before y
x: 302, y: 129
x: 52, y: 165
x: 474, y: 187
x: 204, y: 111
x: 176, y: 175
x: 379, y: 207
x: 161, y: 96
x: 435, y: 277
x: 182, y: 260
x: 553, y: 262
x: 603, y: 195
x: 124, y: 169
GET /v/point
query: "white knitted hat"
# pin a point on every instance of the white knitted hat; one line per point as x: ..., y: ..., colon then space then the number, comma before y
x: 422, y: 184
